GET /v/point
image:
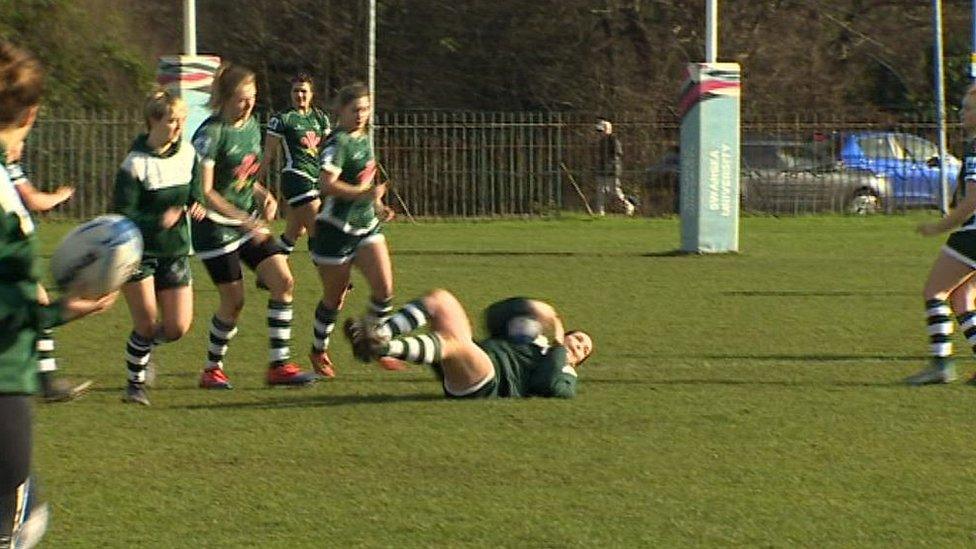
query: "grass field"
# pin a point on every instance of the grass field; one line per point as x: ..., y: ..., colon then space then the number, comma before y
x: 739, y: 400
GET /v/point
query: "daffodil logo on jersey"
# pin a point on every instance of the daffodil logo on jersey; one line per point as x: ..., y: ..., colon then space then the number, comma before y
x: 310, y: 141
x: 366, y: 176
x: 246, y: 171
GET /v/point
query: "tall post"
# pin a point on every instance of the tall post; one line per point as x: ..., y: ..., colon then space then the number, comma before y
x: 711, y: 30
x: 189, y: 75
x: 189, y: 27
x: 371, y: 66
x: 709, y: 111
x: 972, y: 55
x: 940, y: 110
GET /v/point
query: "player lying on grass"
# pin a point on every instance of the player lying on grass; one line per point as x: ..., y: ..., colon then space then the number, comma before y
x: 952, y: 273
x: 515, y: 360
x: 53, y: 388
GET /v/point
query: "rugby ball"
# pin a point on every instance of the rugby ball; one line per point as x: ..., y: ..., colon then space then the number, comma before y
x: 98, y: 256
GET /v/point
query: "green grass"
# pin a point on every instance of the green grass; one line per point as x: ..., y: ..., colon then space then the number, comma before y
x: 737, y: 400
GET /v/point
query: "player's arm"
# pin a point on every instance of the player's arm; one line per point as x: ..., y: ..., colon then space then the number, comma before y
x: 547, y: 316
x: 956, y: 217
x: 40, y: 201
x: 36, y: 200
x: 562, y: 378
x: 215, y: 201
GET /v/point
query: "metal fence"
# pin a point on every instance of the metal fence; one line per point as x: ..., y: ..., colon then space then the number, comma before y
x: 483, y: 164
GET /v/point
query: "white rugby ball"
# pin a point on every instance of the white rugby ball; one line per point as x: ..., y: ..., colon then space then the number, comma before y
x: 98, y: 256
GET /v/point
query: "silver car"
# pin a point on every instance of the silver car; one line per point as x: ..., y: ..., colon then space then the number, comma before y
x: 780, y: 176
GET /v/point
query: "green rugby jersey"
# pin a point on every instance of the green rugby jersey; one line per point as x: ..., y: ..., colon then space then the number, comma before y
x: 147, y: 185
x: 351, y: 158
x: 235, y: 154
x: 523, y: 370
x: 301, y: 135
x: 21, y: 316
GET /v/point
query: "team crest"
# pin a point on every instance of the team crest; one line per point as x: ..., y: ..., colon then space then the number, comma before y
x: 246, y: 170
x: 310, y: 141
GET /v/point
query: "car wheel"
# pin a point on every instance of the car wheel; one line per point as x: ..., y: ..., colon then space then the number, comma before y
x: 864, y: 202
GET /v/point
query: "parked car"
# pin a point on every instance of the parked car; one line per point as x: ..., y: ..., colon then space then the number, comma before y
x: 786, y: 176
x: 909, y: 161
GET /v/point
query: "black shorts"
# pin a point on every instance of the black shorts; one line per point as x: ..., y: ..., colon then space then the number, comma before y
x: 15, y: 441
x: 227, y: 268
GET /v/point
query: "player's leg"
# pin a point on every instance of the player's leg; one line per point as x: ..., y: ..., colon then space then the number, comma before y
x: 949, y: 272
x: 23, y: 517
x: 268, y: 260
x: 53, y: 388
x: 332, y: 252
x: 449, y: 347
x: 226, y: 274
x: 963, y: 303
x: 335, y: 285
x: 140, y: 296
x: 373, y: 260
x: 299, y: 220
x: 174, y: 291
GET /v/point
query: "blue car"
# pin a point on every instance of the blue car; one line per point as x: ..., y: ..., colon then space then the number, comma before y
x: 910, y: 162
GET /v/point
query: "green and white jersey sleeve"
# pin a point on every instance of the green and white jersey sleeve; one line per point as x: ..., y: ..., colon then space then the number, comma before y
x: 351, y: 159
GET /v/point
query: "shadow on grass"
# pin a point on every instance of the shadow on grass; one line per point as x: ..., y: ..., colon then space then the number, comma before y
x: 815, y: 293
x: 315, y: 401
x: 744, y: 383
x: 812, y: 357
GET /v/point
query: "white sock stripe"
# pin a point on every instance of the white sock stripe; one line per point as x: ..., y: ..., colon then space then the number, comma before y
x: 279, y: 353
x: 413, y: 349
x: 281, y: 314
x: 323, y: 328
x: 941, y: 349
x: 223, y: 334
x: 279, y: 333
x: 137, y: 377
x: 396, y: 347
x: 941, y: 310
x: 384, y: 332
x: 428, y: 347
x: 414, y: 312
x: 218, y: 364
x: 944, y: 328
x: 47, y: 365
x: 219, y: 350
x: 969, y: 323
x: 402, y: 324
x: 132, y: 359
x: 45, y: 345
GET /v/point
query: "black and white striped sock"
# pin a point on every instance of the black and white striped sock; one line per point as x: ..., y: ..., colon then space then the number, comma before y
x: 379, y: 310
x: 279, y: 331
x: 411, y: 317
x: 220, y: 335
x: 325, y: 320
x: 45, y: 352
x: 422, y: 349
x: 939, y: 320
x: 137, y: 351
